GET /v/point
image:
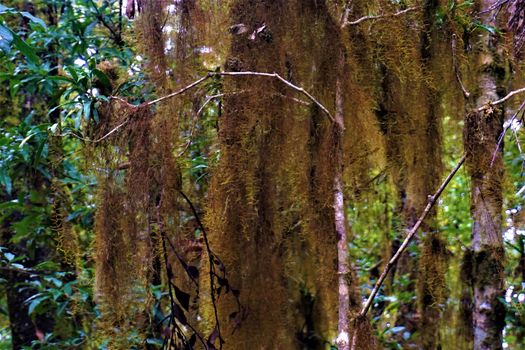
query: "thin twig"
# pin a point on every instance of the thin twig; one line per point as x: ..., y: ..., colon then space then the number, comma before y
x: 501, y: 100
x: 286, y: 82
x: 111, y: 132
x: 388, y: 15
x: 431, y: 202
x: 502, y: 135
x: 521, y: 152
x: 197, y: 115
x: 178, y: 92
x: 19, y: 270
x: 456, y: 67
x: 117, y: 37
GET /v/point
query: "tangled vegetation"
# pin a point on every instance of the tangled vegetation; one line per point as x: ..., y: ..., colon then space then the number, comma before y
x: 261, y: 174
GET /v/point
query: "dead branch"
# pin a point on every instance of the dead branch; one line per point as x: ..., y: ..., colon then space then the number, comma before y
x: 286, y: 82
x: 504, y: 132
x: 236, y: 74
x: 111, y: 132
x: 431, y: 202
x: 496, y: 6
x: 379, y: 17
x: 501, y: 100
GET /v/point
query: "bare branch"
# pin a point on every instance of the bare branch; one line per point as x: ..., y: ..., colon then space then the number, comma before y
x: 501, y: 100
x: 111, y: 132
x: 431, y: 202
x: 378, y: 17
x: 20, y: 270
x: 236, y: 74
x: 502, y: 135
x: 346, y: 13
x: 496, y: 6
x: 286, y: 82
x: 178, y: 92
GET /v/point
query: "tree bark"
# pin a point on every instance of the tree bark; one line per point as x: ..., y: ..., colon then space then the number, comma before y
x: 343, y: 264
x: 484, y: 159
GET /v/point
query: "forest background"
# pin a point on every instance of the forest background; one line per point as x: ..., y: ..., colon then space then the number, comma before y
x: 246, y: 174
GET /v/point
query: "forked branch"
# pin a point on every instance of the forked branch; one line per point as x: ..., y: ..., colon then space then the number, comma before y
x: 237, y: 74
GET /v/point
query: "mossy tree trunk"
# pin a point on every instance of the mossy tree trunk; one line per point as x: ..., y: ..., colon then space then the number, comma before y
x: 482, y: 131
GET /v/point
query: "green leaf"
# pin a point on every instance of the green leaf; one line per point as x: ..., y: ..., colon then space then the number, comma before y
x: 87, y: 109
x: 154, y: 341
x: 5, y: 180
x: 34, y: 19
x: 26, y: 49
x: 9, y: 256
x: 490, y: 29
x: 53, y: 128
x: 5, y: 33
x: 60, y: 78
x: 102, y: 77
x: 27, y: 138
x: 34, y: 304
x: 6, y: 37
x: 72, y: 72
x: 47, y: 265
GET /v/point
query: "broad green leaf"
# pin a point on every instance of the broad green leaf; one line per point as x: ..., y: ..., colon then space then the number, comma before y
x: 5, y: 39
x: 27, y: 138
x: 87, y: 109
x: 9, y: 256
x: 5, y: 34
x: 47, y: 265
x: 53, y: 128
x: 102, y: 77
x: 33, y: 19
x: 155, y: 341
x: 490, y: 29
x: 60, y: 78
x: 34, y: 304
x: 26, y: 49
x: 5, y: 180
x: 72, y: 72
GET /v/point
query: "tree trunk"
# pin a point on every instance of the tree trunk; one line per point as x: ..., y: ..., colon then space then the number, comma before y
x: 485, y: 164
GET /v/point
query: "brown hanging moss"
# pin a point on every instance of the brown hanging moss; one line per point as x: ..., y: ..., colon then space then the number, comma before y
x: 121, y: 243
x: 67, y: 239
x: 172, y: 247
x: 408, y: 112
x: 270, y: 208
